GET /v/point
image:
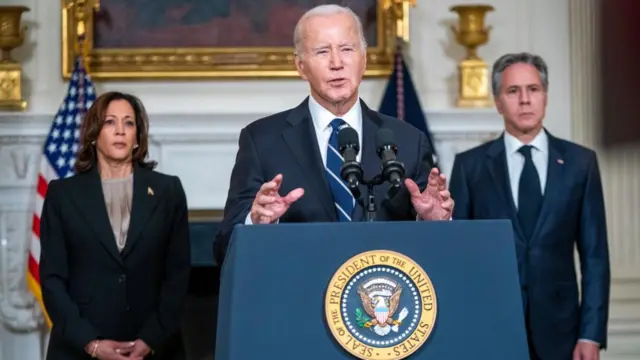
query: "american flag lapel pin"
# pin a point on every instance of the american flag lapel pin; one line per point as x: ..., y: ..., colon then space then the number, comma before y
x: 149, y: 191
x: 560, y: 161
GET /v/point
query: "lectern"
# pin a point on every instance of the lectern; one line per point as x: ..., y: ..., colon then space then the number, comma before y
x: 372, y: 290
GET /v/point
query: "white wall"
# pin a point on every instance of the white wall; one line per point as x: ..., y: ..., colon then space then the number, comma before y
x: 200, y: 120
x: 518, y: 25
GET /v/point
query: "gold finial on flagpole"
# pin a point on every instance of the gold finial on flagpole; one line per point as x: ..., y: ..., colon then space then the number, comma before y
x: 83, y: 12
x: 400, y: 12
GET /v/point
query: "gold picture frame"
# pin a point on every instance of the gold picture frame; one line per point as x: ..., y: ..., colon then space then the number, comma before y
x: 214, y: 62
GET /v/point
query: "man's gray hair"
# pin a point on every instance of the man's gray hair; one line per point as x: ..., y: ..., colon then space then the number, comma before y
x: 328, y: 9
x: 518, y: 58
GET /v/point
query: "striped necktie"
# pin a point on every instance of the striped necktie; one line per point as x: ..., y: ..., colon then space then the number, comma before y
x: 343, y: 199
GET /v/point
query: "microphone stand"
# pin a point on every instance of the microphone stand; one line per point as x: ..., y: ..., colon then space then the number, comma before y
x: 369, y: 206
x: 392, y: 171
x: 354, y: 182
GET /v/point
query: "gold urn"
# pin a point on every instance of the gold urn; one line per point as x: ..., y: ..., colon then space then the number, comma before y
x: 473, y: 77
x: 11, y: 36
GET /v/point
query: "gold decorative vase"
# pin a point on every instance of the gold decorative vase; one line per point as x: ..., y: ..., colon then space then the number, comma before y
x: 11, y: 37
x: 473, y: 77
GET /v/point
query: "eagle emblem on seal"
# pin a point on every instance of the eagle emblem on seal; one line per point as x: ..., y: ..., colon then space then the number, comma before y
x: 380, y: 299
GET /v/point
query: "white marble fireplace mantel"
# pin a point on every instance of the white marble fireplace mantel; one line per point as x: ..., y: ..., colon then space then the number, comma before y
x: 199, y: 148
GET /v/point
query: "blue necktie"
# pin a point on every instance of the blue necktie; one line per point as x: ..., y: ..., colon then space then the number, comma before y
x: 343, y: 199
x: 529, y: 194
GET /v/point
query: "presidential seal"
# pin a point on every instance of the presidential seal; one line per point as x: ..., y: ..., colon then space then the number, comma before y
x: 380, y: 305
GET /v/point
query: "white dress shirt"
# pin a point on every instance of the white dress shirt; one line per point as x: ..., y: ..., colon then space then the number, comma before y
x: 322, y: 124
x: 322, y: 118
x: 515, y: 160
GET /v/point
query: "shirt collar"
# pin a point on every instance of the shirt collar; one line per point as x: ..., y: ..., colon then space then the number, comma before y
x: 323, y: 117
x: 540, y: 142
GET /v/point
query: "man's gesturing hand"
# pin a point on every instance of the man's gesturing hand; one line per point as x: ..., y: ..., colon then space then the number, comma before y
x: 268, y: 205
x: 435, y: 202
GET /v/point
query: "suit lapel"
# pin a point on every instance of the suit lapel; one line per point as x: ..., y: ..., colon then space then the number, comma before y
x: 497, y: 166
x: 369, y: 159
x: 370, y: 124
x: 91, y: 204
x: 555, y: 173
x: 145, y: 198
x: 300, y: 139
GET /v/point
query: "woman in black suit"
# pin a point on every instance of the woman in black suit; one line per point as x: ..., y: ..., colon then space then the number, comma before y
x: 115, y: 259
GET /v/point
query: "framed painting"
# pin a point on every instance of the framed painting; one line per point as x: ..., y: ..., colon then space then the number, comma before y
x: 199, y: 39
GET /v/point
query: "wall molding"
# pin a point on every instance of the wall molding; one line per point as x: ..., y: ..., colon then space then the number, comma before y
x: 207, y: 139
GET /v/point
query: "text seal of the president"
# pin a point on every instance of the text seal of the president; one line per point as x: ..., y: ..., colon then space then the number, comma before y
x: 381, y: 305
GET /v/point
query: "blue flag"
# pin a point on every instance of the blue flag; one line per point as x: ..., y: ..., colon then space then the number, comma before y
x: 400, y: 100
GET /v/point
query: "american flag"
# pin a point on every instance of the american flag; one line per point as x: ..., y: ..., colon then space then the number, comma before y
x: 58, y: 159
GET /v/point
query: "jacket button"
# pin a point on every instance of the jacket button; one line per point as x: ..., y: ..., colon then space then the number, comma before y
x: 121, y: 278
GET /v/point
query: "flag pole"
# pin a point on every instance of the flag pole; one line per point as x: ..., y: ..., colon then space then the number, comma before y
x: 399, y: 10
x: 83, y: 12
x: 401, y: 99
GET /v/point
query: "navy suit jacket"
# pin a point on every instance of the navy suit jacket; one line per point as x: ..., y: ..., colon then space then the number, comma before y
x: 285, y: 143
x: 93, y: 291
x: 572, y: 214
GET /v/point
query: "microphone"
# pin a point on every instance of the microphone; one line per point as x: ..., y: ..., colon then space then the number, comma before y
x: 351, y: 170
x: 392, y: 169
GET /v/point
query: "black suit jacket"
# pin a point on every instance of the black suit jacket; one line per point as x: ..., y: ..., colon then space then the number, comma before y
x: 572, y: 214
x: 90, y: 289
x: 285, y: 143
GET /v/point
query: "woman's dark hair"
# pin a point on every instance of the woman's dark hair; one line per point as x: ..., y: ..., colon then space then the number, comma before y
x: 93, y: 122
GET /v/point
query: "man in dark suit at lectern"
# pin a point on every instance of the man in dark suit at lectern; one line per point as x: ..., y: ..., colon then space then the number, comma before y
x: 550, y: 189
x: 288, y: 164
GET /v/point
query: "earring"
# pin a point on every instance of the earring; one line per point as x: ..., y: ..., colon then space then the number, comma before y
x: 93, y: 142
x: 135, y: 146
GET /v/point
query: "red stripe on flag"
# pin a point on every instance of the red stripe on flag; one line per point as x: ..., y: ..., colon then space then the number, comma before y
x: 42, y: 186
x: 36, y: 226
x: 34, y: 268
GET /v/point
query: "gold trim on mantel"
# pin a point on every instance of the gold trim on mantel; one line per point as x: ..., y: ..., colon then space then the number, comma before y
x: 221, y: 63
x: 208, y: 215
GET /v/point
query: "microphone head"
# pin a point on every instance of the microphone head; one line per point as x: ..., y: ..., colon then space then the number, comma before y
x: 385, y: 139
x: 348, y: 137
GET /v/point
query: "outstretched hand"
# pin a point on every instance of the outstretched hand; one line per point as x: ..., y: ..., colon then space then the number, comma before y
x: 268, y: 205
x: 435, y: 202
